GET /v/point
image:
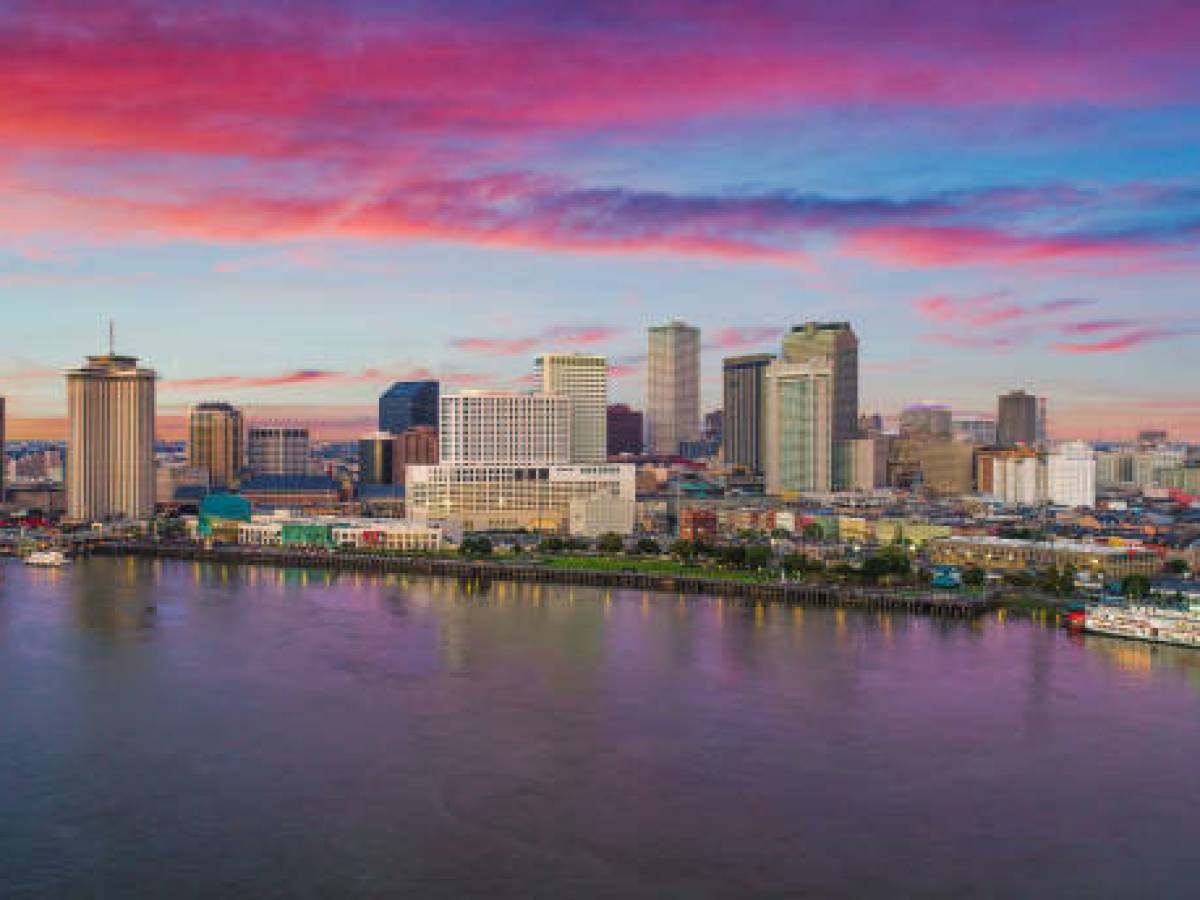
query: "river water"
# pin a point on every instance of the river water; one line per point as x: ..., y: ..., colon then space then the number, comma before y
x: 178, y: 730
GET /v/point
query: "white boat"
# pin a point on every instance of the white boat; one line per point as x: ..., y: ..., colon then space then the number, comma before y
x: 1145, y: 623
x: 47, y: 558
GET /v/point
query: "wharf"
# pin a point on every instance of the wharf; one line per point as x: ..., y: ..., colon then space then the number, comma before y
x: 923, y: 602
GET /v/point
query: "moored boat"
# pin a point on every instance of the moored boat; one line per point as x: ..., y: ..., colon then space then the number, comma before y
x: 47, y: 558
x: 1180, y: 628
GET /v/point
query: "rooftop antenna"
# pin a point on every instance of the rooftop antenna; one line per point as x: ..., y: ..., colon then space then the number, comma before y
x: 112, y: 338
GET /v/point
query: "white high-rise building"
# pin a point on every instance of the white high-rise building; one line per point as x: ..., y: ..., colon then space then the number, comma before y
x: 798, y: 455
x: 277, y: 450
x: 1020, y: 480
x: 110, y: 440
x: 1071, y: 475
x: 504, y: 427
x: 584, y: 378
x: 672, y: 387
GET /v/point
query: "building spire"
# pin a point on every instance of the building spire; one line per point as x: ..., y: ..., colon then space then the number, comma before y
x: 112, y: 338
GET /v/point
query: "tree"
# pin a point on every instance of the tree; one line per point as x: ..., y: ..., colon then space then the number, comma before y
x: 814, y: 532
x: 475, y: 545
x: 552, y: 545
x: 684, y: 550
x: 1059, y: 583
x: 648, y: 545
x: 1135, y: 586
x: 973, y: 576
x: 610, y: 543
x: 891, y: 560
x: 733, y: 555
x: 795, y: 564
x: 1176, y: 567
x: 757, y: 556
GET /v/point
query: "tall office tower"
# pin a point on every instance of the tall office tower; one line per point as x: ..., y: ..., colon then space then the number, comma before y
x: 928, y: 419
x: 376, y: 453
x: 584, y: 378
x: 407, y: 404
x: 869, y: 424
x: 744, y: 390
x: 216, y: 442
x: 1017, y: 420
x: 713, y: 428
x: 277, y: 450
x: 505, y: 427
x: 672, y: 387
x: 624, y: 430
x: 1152, y: 437
x: 1071, y: 475
x: 798, y: 453
x: 3, y: 454
x: 416, y: 447
x: 110, y: 440
x: 975, y: 430
x: 836, y: 344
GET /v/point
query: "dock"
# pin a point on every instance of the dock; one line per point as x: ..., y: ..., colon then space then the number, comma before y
x: 947, y: 604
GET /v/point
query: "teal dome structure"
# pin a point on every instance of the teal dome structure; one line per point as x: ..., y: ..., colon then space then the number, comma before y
x: 218, y: 508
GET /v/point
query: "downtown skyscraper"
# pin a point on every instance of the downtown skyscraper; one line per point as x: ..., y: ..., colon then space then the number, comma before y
x: 743, y: 384
x: 583, y: 377
x: 1018, y: 420
x: 672, y: 387
x: 110, y: 440
x: 216, y: 442
x: 834, y: 345
x: 278, y: 449
x: 409, y: 404
x: 798, y: 455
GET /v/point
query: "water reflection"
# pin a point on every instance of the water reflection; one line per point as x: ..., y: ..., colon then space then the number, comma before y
x: 285, y: 728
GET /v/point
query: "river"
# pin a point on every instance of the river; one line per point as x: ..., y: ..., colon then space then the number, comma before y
x: 181, y: 730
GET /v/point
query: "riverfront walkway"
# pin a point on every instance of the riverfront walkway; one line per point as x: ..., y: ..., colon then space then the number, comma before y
x: 923, y: 602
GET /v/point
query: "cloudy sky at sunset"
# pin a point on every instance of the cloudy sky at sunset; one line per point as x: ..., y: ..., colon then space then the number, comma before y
x: 289, y: 205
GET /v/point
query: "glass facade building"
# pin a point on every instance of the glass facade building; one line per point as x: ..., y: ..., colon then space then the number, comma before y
x: 407, y: 404
x: 799, y: 450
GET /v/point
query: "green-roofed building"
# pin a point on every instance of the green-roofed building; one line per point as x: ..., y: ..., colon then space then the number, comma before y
x: 222, y: 513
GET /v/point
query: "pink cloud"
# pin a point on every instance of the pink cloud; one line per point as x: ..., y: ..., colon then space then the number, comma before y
x: 363, y: 122
x: 732, y: 338
x: 1092, y: 326
x: 210, y: 82
x: 991, y: 309
x: 369, y: 375
x: 1117, y: 344
x: 561, y: 336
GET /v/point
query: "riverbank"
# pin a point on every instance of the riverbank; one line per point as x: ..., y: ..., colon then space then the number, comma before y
x: 923, y: 602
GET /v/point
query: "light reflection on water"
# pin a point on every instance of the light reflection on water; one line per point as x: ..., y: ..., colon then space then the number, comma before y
x: 284, y: 732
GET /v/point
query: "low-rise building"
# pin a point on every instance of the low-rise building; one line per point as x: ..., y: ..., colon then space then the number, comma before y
x: 505, y: 497
x: 311, y: 492
x: 698, y: 524
x: 1008, y: 554
x: 331, y: 532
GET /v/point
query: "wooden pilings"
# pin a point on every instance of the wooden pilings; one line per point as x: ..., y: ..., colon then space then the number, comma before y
x: 933, y: 603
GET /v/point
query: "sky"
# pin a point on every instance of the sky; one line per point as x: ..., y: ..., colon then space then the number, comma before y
x: 289, y: 205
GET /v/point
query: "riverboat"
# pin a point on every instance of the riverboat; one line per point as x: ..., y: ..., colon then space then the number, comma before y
x: 1180, y: 628
x: 51, y: 559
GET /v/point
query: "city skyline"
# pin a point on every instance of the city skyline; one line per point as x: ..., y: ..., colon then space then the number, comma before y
x: 447, y: 194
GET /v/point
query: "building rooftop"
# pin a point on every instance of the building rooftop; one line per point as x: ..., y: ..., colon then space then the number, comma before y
x: 1016, y: 543
x: 290, y: 483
